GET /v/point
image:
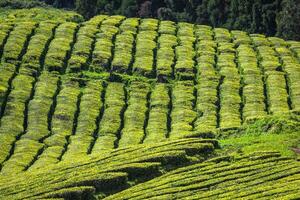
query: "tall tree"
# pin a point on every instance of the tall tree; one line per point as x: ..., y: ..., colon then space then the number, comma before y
x: 288, y: 25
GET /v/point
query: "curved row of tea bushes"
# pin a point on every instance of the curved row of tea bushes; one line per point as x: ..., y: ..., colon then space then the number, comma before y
x: 60, y: 47
x: 62, y: 123
x: 5, y: 30
x: 145, y: 45
x: 87, y: 122
x: 30, y: 61
x: 124, y: 46
x: 185, y: 64
x: 275, y: 83
x: 33, y: 57
x: 111, y: 121
x: 294, y: 46
x: 207, y: 83
x: 18, y: 37
x: 37, y: 125
x: 183, y: 114
x: 13, y: 49
x: 12, y: 122
x: 165, y: 55
x: 105, y: 171
x: 135, y: 114
x: 7, y: 72
x: 252, y: 80
x: 157, y: 127
x: 102, y: 53
x: 84, y: 44
x: 229, y: 97
x: 262, y: 176
x: 292, y: 73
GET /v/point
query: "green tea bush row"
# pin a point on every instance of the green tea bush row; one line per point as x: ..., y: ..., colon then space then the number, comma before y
x: 167, y: 27
x: 5, y: 30
x: 259, y: 40
x: 222, y: 35
x: 269, y: 174
x: 277, y: 42
x: 7, y: 72
x: 203, y: 32
x: 60, y: 46
x: 90, y: 108
x: 37, y: 124
x: 144, y: 54
x: 149, y: 25
x: 277, y: 93
x: 123, y: 49
x: 277, y: 97
x: 61, y: 124
x: 102, y: 53
x: 130, y: 25
x: 240, y: 38
x: 144, y: 50
x: 102, y: 172
x: 37, y: 45
x: 110, y: 123
x: 230, y: 100
x: 294, y: 46
x: 292, y: 69
x: 135, y: 115
x: 157, y: 128
x: 185, y: 53
x: 17, y: 41
x: 12, y: 120
x: 114, y: 20
x: 253, y: 87
x: 103, y: 48
x: 82, y: 48
x: 183, y: 114
x: 165, y: 55
x: 207, y: 82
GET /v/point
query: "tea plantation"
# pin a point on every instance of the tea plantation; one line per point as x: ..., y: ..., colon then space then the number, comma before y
x: 129, y: 108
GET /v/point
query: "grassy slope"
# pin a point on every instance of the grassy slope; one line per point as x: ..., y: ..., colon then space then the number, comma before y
x: 270, y: 134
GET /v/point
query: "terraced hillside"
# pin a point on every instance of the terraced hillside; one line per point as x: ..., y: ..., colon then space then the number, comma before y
x: 111, y: 107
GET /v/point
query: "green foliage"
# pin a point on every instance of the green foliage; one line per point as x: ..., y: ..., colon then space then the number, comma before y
x: 18, y: 4
x: 38, y: 14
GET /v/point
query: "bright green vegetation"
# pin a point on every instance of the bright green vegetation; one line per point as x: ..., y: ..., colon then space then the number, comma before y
x: 38, y: 14
x: 262, y: 176
x: 129, y: 108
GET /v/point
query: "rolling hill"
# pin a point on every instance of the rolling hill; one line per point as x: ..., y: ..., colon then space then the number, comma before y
x: 129, y: 108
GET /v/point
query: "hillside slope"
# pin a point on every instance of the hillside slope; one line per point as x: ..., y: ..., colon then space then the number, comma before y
x: 92, y: 109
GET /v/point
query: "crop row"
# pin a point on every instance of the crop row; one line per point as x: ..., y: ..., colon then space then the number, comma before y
x: 252, y: 79
x: 89, y: 109
x: 250, y: 177
x: 84, y: 44
x: 60, y: 46
x: 183, y: 114
x: 111, y: 122
x: 112, y: 170
x: 135, y: 114
x: 275, y: 84
x: 207, y: 82
x: 103, y: 51
x: 291, y: 67
x: 165, y: 56
x: 229, y: 97
x: 20, y: 87
x: 61, y: 125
